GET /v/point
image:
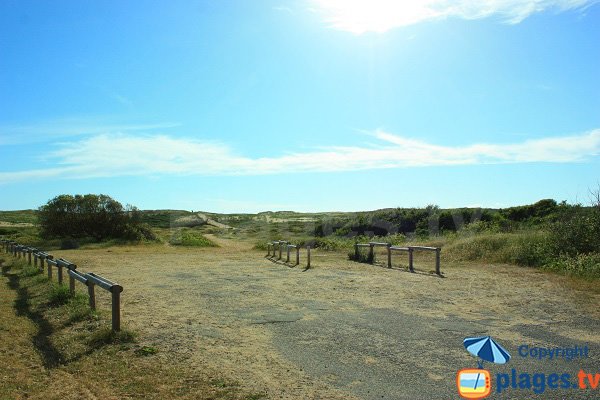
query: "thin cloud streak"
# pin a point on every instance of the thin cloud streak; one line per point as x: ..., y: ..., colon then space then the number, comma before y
x: 115, y: 155
x: 361, y: 16
x: 48, y: 131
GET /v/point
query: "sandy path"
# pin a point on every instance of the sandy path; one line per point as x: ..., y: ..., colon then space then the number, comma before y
x: 339, y: 330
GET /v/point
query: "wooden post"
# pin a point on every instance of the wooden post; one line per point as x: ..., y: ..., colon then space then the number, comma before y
x: 287, y: 260
x: 308, y: 256
x: 71, y: 267
x: 92, y: 294
x: 42, y: 258
x: 410, y: 260
x: 35, y: 259
x: 297, y: 255
x: 280, y: 243
x: 72, y: 285
x: 268, y: 249
x: 389, y: 254
x: 116, y: 307
x: 60, y: 273
x: 371, y: 254
x: 29, y: 251
x: 49, y: 257
x: 437, y: 261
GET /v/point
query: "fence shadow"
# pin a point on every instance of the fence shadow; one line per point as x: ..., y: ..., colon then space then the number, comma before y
x: 281, y: 262
x: 405, y: 269
x: 51, y: 356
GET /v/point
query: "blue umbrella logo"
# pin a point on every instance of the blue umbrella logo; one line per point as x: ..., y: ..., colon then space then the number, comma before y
x: 486, y: 349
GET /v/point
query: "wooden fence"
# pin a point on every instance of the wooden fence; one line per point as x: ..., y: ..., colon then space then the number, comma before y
x: 91, y: 280
x: 409, y: 249
x: 279, y: 245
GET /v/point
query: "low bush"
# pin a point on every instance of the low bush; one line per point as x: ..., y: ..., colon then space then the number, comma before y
x: 69, y: 244
x: 582, y: 265
x: 190, y: 238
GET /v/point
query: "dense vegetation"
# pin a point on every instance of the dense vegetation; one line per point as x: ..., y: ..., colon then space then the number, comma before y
x: 556, y: 236
x: 90, y: 216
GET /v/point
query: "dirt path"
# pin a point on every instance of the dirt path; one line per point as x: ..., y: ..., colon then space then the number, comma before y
x: 340, y: 330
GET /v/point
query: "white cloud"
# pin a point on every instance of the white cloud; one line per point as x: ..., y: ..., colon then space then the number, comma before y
x: 46, y: 131
x: 126, y: 155
x: 360, y: 16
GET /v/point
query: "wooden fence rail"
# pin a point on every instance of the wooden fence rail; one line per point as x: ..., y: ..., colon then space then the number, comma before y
x: 408, y: 249
x: 91, y: 280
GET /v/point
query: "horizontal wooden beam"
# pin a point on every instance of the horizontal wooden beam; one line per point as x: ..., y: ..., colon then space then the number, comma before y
x: 399, y: 248
x: 77, y: 276
x: 424, y: 248
x: 103, y: 282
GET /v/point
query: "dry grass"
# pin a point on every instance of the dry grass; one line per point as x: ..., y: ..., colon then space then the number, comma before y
x: 63, y: 352
x: 215, y: 309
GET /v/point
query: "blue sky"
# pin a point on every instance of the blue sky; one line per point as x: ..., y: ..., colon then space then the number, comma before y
x: 308, y: 105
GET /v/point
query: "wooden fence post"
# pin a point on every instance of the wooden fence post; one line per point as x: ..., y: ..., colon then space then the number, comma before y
x: 389, y: 254
x: 308, y: 256
x: 287, y: 260
x: 437, y: 261
x: 371, y: 254
x: 72, y: 284
x: 60, y: 273
x: 29, y: 251
x: 116, y: 307
x: 49, y: 257
x: 410, y: 260
x: 92, y: 295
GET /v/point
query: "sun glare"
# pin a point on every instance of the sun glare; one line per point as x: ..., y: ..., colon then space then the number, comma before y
x: 360, y: 16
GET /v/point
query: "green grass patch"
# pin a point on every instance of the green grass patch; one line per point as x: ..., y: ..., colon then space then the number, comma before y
x: 146, y: 351
x: 59, y: 295
x: 363, y: 256
x: 190, y: 238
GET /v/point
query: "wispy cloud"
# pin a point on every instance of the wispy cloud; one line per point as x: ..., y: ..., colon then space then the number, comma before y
x: 360, y: 16
x: 66, y: 127
x: 110, y: 155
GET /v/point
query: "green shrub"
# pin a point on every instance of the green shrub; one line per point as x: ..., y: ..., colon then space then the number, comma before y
x: 577, y: 231
x: 97, y: 216
x: 582, y: 265
x: 190, y: 238
x: 262, y: 245
x: 69, y: 244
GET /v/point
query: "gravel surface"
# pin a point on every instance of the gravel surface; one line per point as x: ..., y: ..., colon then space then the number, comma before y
x: 343, y: 330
